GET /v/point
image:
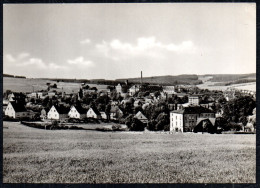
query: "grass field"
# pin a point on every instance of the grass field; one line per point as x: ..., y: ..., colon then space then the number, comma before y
x: 28, y: 85
x: 78, y: 156
x: 245, y: 86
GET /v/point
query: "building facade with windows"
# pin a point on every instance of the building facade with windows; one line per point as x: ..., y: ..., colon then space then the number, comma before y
x: 185, y: 120
x: 57, y: 113
x: 77, y: 113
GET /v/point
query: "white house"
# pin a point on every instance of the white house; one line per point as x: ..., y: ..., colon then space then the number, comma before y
x: 133, y: 90
x: 103, y: 115
x: 93, y: 113
x: 16, y: 110
x: 138, y: 103
x: 169, y: 90
x: 116, y: 113
x: 140, y: 116
x: 176, y: 121
x: 51, y: 94
x: 194, y: 100
x: 11, y: 97
x: 119, y: 88
x: 43, y: 115
x: 77, y: 113
x: 57, y: 113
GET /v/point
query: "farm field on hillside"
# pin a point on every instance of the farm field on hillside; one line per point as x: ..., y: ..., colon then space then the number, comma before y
x: 245, y: 86
x: 78, y: 156
x: 28, y: 85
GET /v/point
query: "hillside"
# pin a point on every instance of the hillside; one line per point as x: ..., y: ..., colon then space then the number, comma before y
x: 13, y: 76
x: 191, y: 79
x: 230, y: 77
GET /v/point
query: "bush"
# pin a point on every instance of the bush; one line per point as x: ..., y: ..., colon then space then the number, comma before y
x: 166, y: 127
x: 136, y: 125
x: 116, y: 127
x: 54, y: 125
x: 74, y: 120
x: 151, y: 125
x: 7, y: 118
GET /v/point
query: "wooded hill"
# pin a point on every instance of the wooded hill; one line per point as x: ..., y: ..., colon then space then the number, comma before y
x: 187, y: 79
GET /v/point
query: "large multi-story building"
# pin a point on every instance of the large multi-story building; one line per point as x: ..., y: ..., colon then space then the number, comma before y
x: 185, y: 120
x: 194, y: 100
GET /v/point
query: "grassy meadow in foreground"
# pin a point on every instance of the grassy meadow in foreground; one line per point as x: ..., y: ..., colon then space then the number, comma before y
x: 78, y: 156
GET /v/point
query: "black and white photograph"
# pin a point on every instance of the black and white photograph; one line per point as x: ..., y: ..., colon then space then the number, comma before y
x: 125, y: 93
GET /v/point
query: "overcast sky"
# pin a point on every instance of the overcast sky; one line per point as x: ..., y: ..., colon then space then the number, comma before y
x: 119, y: 40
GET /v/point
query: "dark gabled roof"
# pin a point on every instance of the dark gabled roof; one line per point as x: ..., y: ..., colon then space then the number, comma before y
x: 181, y: 94
x: 62, y: 109
x: 95, y: 110
x: 196, y: 110
x: 81, y: 110
x: 181, y: 111
x: 193, y: 110
x: 18, y: 107
x: 195, y: 95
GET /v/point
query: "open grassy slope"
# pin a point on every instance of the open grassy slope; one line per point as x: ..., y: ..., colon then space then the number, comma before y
x: 70, y: 156
x: 28, y: 85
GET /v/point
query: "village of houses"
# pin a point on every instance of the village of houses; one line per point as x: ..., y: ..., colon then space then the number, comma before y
x: 179, y: 108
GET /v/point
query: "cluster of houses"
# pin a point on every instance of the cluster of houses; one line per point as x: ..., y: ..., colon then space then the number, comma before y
x: 183, y: 117
x: 15, y: 110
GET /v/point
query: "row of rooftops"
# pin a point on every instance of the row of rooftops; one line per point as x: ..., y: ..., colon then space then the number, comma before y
x: 192, y: 110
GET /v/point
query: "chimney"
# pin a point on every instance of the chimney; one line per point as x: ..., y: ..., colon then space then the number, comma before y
x: 141, y: 78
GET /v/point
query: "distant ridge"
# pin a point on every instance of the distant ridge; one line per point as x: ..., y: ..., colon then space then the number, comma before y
x: 185, y: 79
x: 189, y: 79
x: 13, y: 76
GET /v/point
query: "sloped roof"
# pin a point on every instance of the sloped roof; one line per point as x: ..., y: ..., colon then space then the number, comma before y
x: 193, y: 110
x: 81, y: 110
x: 18, y: 107
x: 212, y: 120
x: 115, y: 108
x: 181, y: 111
x: 95, y: 110
x: 181, y: 94
x: 140, y: 116
x: 62, y: 109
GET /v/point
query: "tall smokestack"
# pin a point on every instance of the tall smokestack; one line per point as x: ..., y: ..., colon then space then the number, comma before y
x: 141, y: 77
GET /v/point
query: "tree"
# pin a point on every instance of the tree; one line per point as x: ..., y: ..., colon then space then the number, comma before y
x: 54, y: 86
x: 101, y: 107
x: 136, y: 125
x: 237, y: 108
x: 243, y: 120
x: 129, y: 119
x: 128, y: 108
x: 80, y: 93
x: 222, y: 123
x: 151, y: 125
x: 157, y: 94
x: 137, y: 109
x: 107, y: 111
x: 7, y: 92
x: 45, y: 101
x: 162, y: 120
x: 222, y: 100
